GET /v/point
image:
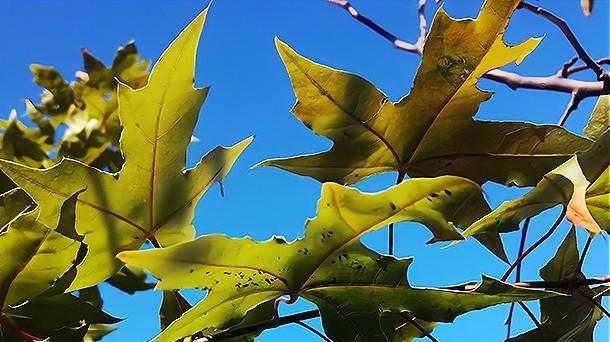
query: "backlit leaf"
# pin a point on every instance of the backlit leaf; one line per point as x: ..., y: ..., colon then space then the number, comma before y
x: 152, y: 197
x: 326, y: 264
x: 582, y: 184
x: 431, y: 131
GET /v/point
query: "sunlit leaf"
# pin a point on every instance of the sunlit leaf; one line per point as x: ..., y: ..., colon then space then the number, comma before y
x: 431, y: 131
x: 241, y: 274
x: 581, y: 184
x: 600, y: 118
x: 152, y: 197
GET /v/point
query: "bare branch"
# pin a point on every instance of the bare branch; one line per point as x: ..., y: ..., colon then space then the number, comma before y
x: 535, y: 244
x: 515, y: 81
x: 399, y: 179
x: 563, y: 26
x: 530, y: 314
x: 581, y: 261
x: 400, y: 44
x: 511, y: 309
x: 313, y: 330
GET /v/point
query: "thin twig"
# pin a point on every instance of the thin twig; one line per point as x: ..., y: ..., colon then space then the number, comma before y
x: 563, y: 26
x: 567, y: 284
x: 411, y: 319
x: 584, y: 89
x: 536, y: 244
x: 313, y: 330
x: 530, y: 314
x: 274, y: 323
x: 400, y: 44
x: 563, y: 73
x: 399, y: 179
x: 511, y: 309
x: 584, y: 253
x: 579, y: 68
x: 572, y: 106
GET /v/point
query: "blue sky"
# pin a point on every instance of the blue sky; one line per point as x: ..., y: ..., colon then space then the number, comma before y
x: 251, y: 94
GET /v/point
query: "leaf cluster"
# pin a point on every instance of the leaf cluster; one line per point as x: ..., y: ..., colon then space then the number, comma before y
x: 77, y: 210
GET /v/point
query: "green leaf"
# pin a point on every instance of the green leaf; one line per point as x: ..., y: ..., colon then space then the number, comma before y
x: 152, y: 197
x: 34, y: 257
x: 21, y: 144
x: 565, y: 318
x: 40, y: 316
x: 241, y: 274
x: 130, y: 279
x: 599, y: 122
x: 12, y: 204
x: 581, y: 184
x: 172, y: 307
x: 430, y: 131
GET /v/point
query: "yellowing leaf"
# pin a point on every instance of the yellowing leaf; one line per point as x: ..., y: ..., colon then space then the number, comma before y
x: 326, y: 264
x: 431, y: 131
x: 587, y: 6
x: 152, y: 197
x: 570, y: 185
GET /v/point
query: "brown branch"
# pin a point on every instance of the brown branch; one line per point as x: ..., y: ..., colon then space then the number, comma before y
x: 274, y: 323
x: 515, y: 81
x: 313, y: 330
x: 563, y: 26
x: 398, y: 43
x: 584, y: 253
x: 511, y: 309
x: 399, y: 179
x: 584, y: 67
x: 535, y: 244
x: 530, y: 314
x: 567, y: 284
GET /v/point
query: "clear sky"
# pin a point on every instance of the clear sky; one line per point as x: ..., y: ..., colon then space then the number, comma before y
x: 251, y: 94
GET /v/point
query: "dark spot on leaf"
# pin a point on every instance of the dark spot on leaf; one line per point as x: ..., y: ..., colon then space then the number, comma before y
x: 393, y: 206
x: 434, y: 194
x: 448, y: 192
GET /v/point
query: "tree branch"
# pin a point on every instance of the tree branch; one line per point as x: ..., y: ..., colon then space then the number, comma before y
x: 558, y: 83
x: 274, y: 323
x: 313, y: 330
x: 563, y: 26
x: 536, y: 244
x: 530, y: 314
x: 511, y: 309
x: 398, y: 43
x: 399, y: 179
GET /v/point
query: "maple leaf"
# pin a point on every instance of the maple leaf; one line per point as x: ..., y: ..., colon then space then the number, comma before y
x: 431, y: 131
x: 581, y: 184
x: 152, y: 197
x: 327, y: 265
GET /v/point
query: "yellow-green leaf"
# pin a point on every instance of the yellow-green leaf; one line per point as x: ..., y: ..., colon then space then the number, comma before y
x: 431, y: 131
x: 152, y: 197
x: 600, y: 118
x: 581, y: 184
x: 33, y: 257
x: 241, y: 274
